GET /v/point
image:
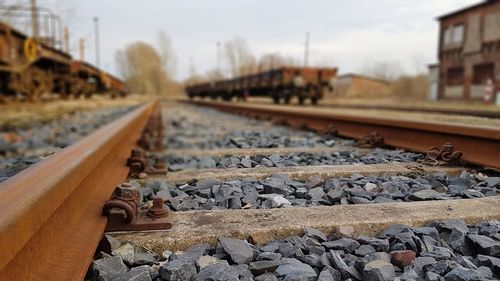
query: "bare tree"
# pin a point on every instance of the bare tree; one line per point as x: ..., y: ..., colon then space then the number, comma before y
x: 270, y: 61
x: 239, y: 58
x: 122, y: 63
x: 383, y: 70
x: 167, y: 53
x: 143, y: 69
x: 214, y: 75
x: 275, y: 60
x: 418, y: 63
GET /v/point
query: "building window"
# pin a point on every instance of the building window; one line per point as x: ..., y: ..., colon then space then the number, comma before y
x: 458, y: 34
x: 483, y: 72
x: 455, y: 76
x: 454, y: 35
x: 448, y: 36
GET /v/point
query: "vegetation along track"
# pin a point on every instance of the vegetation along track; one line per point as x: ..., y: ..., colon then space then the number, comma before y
x: 223, y: 180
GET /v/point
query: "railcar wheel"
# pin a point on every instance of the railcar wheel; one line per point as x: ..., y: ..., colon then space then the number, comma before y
x: 77, y: 87
x: 276, y: 99
x: 31, y: 83
x: 314, y: 100
x: 301, y: 100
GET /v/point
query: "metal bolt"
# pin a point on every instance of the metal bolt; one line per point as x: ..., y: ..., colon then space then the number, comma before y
x: 448, y: 147
x: 137, y: 153
x: 126, y: 192
x: 158, y: 209
x: 159, y: 165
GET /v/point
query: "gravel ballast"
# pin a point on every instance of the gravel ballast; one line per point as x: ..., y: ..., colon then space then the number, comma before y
x: 278, y: 191
x: 188, y: 130
x: 344, y: 157
x: 21, y: 148
x: 447, y: 250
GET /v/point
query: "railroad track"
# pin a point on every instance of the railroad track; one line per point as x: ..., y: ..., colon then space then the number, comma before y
x: 242, y: 179
x: 50, y: 212
x: 421, y: 109
x: 489, y: 113
x: 479, y: 144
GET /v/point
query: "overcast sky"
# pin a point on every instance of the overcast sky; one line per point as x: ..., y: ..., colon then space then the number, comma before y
x: 348, y: 34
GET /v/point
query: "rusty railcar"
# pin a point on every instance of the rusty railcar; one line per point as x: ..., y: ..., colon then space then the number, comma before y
x: 29, y: 68
x: 282, y: 84
x: 86, y: 79
x: 114, y: 85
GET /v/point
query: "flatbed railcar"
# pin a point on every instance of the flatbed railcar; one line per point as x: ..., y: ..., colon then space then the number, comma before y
x: 29, y: 68
x: 282, y: 84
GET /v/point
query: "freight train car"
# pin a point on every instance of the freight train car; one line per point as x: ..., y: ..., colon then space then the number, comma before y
x: 29, y: 69
x: 282, y: 84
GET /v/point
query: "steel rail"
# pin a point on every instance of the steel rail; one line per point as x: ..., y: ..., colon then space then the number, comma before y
x: 51, y: 213
x: 437, y: 110
x: 489, y: 113
x: 480, y: 145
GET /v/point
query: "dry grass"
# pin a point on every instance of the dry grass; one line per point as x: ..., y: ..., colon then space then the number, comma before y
x: 411, y: 87
x: 16, y: 115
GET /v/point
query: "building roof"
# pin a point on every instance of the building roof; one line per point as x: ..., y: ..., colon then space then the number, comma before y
x: 468, y: 8
x: 350, y: 75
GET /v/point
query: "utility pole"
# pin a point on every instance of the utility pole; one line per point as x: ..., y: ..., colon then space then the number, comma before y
x: 82, y: 48
x: 96, y: 33
x: 66, y: 39
x: 34, y: 19
x: 192, y: 71
x: 217, y: 55
x: 306, y: 50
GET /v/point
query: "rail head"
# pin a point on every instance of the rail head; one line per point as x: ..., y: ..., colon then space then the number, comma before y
x: 442, y: 127
x: 30, y: 198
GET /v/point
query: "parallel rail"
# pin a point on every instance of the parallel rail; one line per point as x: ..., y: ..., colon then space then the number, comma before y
x: 480, y: 145
x: 50, y: 214
x: 448, y: 111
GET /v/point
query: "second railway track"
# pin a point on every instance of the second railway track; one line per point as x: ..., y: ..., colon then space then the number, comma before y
x: 248, y: 199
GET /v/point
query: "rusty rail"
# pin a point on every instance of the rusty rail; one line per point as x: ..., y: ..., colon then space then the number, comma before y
x: 421, y: 109
x: 51, y: 214
x: 480, y: 145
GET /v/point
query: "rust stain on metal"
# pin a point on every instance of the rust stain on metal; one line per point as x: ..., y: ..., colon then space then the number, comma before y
x: 159, y: 164
x: 158, y: 209
x: 51, y: 225
x: 373, y: 139
x: 153, y: 134
x: 126, y: 199
x: 330, y: 131
x: 478, y: 144
x: 443, y: 156
x: 137, y: 161
x: 125, y: 213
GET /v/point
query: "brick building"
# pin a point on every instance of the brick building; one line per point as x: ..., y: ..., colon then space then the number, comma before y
x: 469, y: 51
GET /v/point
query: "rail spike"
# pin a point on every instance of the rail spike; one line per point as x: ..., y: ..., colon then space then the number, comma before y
x: 125, y: 212
x: 330, y: 131
x: 373, y: 139
x: 137, y: 161
x: 158, y: 209
x: 125, y: 198
x: 446, y: 155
